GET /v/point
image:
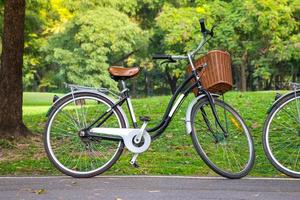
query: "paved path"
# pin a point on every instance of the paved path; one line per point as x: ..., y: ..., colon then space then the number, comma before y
x: 147, y: 188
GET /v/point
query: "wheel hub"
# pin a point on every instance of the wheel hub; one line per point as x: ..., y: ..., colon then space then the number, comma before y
x: 220, y: 138
x: 81, y: 133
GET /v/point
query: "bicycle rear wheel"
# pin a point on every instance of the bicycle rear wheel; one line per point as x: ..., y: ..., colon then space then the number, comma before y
x: 78, y: 156
x: 281, y: 136
x: 231, y: 156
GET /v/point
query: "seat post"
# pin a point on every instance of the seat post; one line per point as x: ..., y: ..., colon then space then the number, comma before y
x: 123, y: 85
x: 129, y: 104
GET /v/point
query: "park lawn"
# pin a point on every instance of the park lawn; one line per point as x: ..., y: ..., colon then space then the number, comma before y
x: 172, y: 154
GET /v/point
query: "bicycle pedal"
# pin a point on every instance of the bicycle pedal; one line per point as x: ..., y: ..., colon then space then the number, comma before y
x: 277, y: 96
x: 145, y: 118
x: 55, y: 98
x: 135, y: 165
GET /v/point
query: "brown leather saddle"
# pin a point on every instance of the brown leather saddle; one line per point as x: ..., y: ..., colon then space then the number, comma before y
x: 121, y: 73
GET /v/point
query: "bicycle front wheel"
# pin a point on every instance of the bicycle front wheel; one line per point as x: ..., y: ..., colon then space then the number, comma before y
x: 229, y: 154
x: 281, y: 136
x: 78, y: 156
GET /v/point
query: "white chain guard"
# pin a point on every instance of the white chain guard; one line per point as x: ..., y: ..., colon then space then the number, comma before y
x: 127, y: 134
x: 129, y: 142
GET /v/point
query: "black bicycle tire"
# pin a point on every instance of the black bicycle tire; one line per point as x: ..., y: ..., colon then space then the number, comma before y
x: 273, y: 111
x: 111, y: 162
x: 203, y: 155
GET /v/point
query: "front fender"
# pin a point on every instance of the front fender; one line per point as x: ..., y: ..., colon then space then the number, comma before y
x: 56, y: 103
x: 188, y: 123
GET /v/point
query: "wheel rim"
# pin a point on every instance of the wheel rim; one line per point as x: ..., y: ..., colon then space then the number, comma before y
x: 68, y: 150
x: 231, y: 154
x: 283, y: 136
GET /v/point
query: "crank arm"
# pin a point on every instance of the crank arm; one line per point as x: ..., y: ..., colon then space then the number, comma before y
x: 138, y: 138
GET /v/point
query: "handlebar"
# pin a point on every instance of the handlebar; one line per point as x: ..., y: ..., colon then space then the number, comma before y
x: 162, y: 57
x: 202, y: 25
x: 171, y: 58
x: 204, y: 31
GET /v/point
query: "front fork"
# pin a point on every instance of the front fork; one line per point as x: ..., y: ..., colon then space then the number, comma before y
x: 210, y: 99
x: 214, y: 111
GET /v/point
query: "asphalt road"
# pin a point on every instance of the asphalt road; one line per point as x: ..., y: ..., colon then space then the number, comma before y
x: 147, y: 188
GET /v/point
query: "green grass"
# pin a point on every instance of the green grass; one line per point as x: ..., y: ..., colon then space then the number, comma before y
x: 38, y: 99
x: 172, y: 154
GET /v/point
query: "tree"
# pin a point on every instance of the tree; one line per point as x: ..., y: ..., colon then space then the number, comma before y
x: 263, y: 30
x: 11, y: 123
x: 42, y: 20
x: 90, y: 42
x: 177, y: 32
x: 262, y: 37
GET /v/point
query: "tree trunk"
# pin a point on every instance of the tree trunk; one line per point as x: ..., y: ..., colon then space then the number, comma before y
x: 269, y: 85
x: 172, y: 81
x: 259, y: 83
x: 250, y: 78
x: 243, y: 76
x: 277, y: 82
x: 147, y: 84
x: 133, y: 87
x: 11, y: 87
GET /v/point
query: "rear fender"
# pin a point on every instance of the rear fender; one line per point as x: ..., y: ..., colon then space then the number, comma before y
x: 111, y: 100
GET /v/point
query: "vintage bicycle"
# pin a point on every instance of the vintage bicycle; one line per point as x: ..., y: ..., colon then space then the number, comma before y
x: 281, y: 133
x: 87, y: 129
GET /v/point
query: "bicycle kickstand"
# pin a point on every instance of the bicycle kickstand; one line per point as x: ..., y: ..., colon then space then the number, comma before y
x: 133, y: 161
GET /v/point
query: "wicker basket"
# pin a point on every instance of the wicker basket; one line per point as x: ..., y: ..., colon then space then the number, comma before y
x: 216, y: 77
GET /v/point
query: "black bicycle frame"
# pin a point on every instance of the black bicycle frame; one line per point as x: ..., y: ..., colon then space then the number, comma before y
x: 173, y: 103
x: 184, y: 89
x: 159, y: 128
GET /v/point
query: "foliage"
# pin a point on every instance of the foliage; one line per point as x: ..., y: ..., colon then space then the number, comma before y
x: 176, y: 33
x: 259, y: 35
x: 43, y: 18
x: 83, y: 51
x: 262, y: 37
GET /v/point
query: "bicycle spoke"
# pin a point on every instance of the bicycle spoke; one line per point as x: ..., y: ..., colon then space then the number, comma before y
x: 297, y: 108
x: 297, y: 157
x: 229, y: 153
x: 76, y: 153
x: 282, y: 139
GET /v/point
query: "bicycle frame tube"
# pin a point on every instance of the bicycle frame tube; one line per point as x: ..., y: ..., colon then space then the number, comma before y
x: 175, y: 102
x: 180, y: 94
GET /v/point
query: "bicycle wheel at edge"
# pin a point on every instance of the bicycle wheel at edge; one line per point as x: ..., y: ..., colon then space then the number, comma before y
x: 231, y: 156
x: 281, y: 135
x: 72, y: 155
